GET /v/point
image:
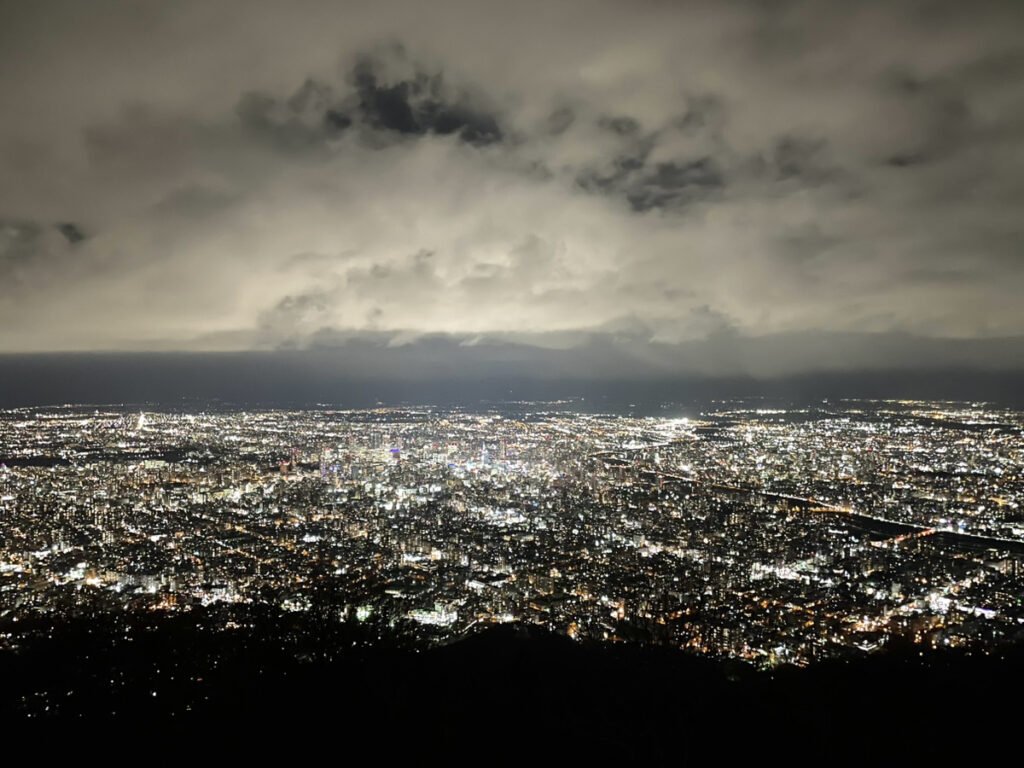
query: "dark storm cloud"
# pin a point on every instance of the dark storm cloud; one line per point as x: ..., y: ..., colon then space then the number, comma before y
x: 674, y: 184
x: 71, y: 231
x: 418, y: 106
x: 210, y: 176
x: 319, y: 113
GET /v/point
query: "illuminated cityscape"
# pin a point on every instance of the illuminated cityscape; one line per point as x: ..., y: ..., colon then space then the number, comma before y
x: 765, y: 533
x: 513, y: 381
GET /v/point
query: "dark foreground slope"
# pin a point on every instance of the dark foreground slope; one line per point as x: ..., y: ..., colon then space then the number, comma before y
x: 508, y: 690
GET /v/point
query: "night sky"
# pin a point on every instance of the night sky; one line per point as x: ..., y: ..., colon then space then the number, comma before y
x: 571, y: 191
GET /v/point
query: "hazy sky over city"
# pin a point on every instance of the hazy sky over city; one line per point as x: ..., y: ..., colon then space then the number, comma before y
x: 711, y: 187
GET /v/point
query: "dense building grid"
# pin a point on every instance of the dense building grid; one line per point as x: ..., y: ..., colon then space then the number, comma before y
x: 774, y: 534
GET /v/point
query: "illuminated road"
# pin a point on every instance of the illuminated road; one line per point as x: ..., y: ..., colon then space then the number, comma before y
x: 906, y: 531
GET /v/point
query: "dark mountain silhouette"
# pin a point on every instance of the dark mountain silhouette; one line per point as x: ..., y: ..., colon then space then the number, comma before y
x: 502, y: 690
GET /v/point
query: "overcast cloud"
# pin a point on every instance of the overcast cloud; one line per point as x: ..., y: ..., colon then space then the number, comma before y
x: 672, y: 180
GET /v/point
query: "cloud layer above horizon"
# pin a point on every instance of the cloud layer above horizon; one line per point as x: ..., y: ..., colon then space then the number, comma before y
x: 263, y: 175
